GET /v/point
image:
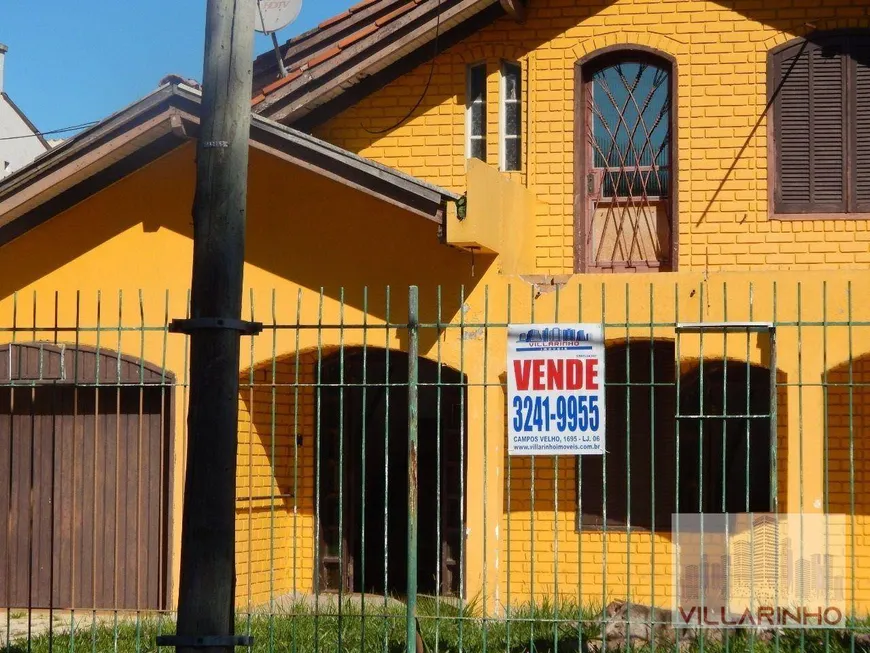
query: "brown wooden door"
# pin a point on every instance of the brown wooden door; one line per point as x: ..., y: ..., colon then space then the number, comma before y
x: 336, y: 482
x: 440, y: 475
x: 84, y: 494
x: 26, y: 435
x: 452, y: 509
x: 626, y: 209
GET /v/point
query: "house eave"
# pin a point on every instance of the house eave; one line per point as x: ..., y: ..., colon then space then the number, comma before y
x: 159, y: 123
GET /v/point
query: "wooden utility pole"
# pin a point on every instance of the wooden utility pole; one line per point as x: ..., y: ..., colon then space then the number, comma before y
x: 206, y: 600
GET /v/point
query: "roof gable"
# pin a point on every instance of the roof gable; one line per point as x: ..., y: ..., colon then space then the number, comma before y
x: 25, y: 120
x: 359, y: 51
x: 163, y: 121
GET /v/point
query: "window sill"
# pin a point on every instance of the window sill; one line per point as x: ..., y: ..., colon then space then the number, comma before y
x: 792, y: 217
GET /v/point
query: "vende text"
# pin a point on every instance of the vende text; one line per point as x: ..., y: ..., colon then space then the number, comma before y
x: 557, y: 374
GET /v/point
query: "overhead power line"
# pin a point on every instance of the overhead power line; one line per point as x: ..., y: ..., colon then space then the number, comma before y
x: 51, y: 131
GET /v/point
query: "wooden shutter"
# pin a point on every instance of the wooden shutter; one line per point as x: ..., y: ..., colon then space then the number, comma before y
x: 828, y: 130
x: 861, y: 74
x: 810, y: 130
x: 793, y: 132
x: 822, y: 124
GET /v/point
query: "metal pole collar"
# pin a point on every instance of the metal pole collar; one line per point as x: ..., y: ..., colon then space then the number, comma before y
x: 176, y: 641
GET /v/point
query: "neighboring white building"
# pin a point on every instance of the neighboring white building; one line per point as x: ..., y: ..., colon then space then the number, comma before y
x: 20, y: 141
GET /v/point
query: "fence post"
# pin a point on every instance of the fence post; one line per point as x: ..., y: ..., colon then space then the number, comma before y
x: 413, y: 401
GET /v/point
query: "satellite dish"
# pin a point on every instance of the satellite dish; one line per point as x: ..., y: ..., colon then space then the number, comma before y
x: 273, y: 15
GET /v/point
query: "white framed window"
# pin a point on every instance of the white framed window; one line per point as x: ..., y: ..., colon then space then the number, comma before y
x: 510, y: 117
x: 475, y: 110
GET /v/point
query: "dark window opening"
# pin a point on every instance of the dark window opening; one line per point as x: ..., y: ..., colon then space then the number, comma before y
x: 725, y: 450
x: 637, y: 468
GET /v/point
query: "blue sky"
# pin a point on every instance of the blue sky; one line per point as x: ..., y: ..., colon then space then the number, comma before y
x: 73, y: 61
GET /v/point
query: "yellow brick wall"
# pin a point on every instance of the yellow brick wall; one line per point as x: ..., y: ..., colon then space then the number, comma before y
x: 721, y: 54
x: 275, y: 536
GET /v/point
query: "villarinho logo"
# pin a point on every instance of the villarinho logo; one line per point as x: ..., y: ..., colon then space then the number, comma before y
x: 554, y: 335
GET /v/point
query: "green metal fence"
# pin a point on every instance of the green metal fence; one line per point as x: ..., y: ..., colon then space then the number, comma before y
x: 378, y: 507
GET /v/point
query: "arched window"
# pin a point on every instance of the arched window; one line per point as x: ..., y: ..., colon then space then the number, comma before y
x: 624, y: 171
x: 820, y: 87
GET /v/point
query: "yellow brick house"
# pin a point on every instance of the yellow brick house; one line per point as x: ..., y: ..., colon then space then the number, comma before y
x: 650, y: 141
x: 694, y: 176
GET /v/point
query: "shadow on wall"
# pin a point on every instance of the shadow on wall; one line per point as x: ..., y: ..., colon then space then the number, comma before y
x: 275, y: 476
x: 847, y: 416
x: 657, y: 463
x: 847, y: 461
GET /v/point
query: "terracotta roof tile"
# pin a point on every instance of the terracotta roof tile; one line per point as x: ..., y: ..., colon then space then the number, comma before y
x: 334, y: 19
x: 328, y: 49
x: 383, y: 20
x: 356, y: 36
x: 331, y: 22
x: 315, y: 47
x: 274, y: 86
x: 361, y: 5
x: 323, y: 56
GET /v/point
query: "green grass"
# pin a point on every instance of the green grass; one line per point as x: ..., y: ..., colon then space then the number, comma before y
x: 542, y: 628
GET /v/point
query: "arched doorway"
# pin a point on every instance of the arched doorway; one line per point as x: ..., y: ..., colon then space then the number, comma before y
x: 363, y: 472
x: 85, y: 453
x: 625, y: 163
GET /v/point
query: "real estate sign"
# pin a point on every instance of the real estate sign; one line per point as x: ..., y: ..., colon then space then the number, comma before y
x: 555, y: 389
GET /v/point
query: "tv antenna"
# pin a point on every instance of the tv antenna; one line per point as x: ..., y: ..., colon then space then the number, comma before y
x: 274, y: 15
